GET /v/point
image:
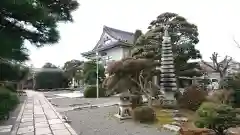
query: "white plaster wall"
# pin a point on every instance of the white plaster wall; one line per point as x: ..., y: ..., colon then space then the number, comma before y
x: 126, y: 52
x: 234, y: 68
x: 115, y: 53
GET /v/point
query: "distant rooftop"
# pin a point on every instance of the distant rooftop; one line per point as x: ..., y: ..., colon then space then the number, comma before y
x: 46, y: 69
x: 123, y: 38
x: 119, y: 34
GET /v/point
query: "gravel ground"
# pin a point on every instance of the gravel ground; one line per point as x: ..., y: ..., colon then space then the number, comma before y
x: 50, y: 94
x: 100, y: 121
x: 66, y: 102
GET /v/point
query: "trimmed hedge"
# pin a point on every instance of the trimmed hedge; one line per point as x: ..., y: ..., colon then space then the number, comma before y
x: 91, y: 92
x: 11, y: 87
x: 8, y: 101
x: 144, y: 114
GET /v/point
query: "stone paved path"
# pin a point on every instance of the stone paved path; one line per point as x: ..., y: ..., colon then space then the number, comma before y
x: 38, y: 117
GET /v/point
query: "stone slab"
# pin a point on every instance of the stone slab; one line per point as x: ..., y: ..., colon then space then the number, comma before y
x: 43, y: 131
x: 24, y: 130
x: 182, y: 119
x: 26, y: 124
x: 171, y: 127
x: 30, y: 133
x: 5, y: 129
x: 61, y: 132
x: 26, y: 116
x: 57, y: 126
x: 55, y: 121
x: 27, y: 120
x: 41, y: 125
x: 40, y: 119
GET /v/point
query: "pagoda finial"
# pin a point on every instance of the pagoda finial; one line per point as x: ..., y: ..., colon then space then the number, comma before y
x: 166, y: 37
x: 166, y: 31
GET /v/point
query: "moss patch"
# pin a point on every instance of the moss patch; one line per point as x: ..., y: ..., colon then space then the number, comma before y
x: 163, y: 117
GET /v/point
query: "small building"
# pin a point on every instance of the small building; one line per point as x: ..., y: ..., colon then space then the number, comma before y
x: 210, y: 73
x: 113, y: 44
x: 234, y: 67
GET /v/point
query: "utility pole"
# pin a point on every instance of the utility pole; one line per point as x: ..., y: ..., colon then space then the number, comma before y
x: 97, y: 74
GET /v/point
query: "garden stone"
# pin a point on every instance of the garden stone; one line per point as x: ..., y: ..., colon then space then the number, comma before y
x: 180, y: 119
x: 170, y: 111
x: 169, y: 103
x: 171, y: 127
x: 233, y: 131
x: 177, y: 115
x: 176, y: 123
x: 175, y: 111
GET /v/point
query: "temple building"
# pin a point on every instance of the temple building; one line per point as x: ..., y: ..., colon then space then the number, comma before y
x: 113, y: 45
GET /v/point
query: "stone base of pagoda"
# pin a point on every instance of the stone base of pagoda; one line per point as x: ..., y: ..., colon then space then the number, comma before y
x: 168, y: 101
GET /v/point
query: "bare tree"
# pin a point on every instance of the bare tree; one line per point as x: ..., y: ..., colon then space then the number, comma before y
x: 238, y: 45
x: 219, y: 66
x: 146, y: 86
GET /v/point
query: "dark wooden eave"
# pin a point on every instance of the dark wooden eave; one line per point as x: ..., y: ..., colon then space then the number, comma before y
x: 119, y: 44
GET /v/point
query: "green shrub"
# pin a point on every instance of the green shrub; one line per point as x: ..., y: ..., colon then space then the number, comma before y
x: 14, y: 100
x: 11, y: 87
x: 236, y: 98
x: 144, y: 114
x: 233, y: 82
x: 91, y: 92
x: 217, y: 117
x: 8, y: 101
x: 192, y: 98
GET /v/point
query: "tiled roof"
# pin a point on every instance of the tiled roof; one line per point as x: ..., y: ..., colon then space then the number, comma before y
x: 120, y: 35
x: 116, y: 44
x: 123, y: 38
x: 36, y: 70
x: 206, y: 68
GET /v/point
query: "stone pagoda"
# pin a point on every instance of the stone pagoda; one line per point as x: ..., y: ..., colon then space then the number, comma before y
x: 168, y: 78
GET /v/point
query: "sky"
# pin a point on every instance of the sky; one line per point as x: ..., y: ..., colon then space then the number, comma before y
x: 217, y: 20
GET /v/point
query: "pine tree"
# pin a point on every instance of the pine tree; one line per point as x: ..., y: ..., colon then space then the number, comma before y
x: 33, y: 21
x: 184, y: 37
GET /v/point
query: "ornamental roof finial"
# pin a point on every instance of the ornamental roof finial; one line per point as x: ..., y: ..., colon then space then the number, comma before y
x: 166, y: 31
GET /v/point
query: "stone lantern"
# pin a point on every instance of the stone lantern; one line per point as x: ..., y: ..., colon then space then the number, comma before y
x: 124, y: 107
